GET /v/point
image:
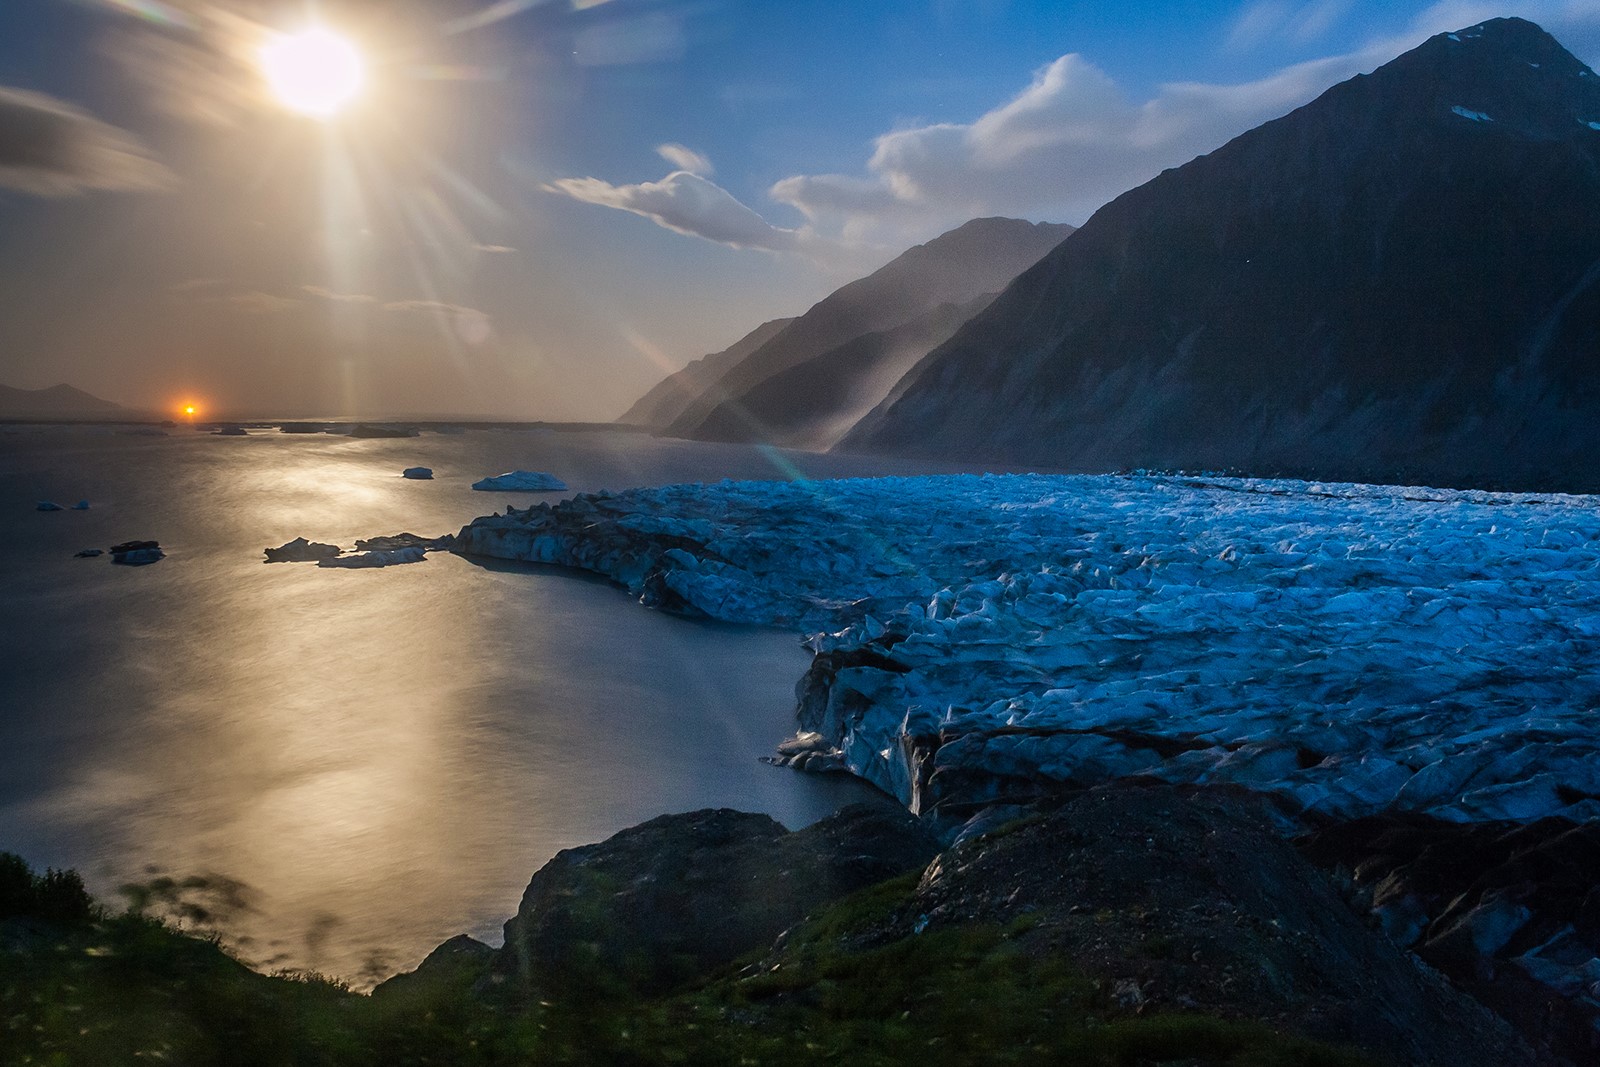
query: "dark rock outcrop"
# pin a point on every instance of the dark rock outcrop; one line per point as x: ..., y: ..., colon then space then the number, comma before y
x: 1178, y: 899
x: 1399, y: 281
x: 1510, y: 912
x: 681, y: 895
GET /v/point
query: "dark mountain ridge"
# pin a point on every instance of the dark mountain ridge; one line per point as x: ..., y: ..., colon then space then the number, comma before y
x: 56, y: 402
x: 977, y: 258
x: 1397, y: 281
x: 664, y: 403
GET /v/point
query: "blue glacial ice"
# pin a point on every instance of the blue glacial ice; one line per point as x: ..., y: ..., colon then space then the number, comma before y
x: 1346, y: 648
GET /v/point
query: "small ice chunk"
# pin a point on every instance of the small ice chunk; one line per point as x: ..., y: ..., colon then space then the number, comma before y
x: 1593, y: 125
x: 137, y: 553
x: 521, y: 482
x: 88, y: 553
x: 1468, y: 113
x: 420, y: 474
x: 48, y: 505
x: 82, y: 505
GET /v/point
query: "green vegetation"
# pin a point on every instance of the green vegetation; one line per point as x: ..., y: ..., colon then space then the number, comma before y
x: 78, y: 986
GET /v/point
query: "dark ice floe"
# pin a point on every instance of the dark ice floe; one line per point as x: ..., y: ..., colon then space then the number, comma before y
x: 376, y: 558
x: 300, y: 551
x: 521, y: 482
x: 1348, y: 648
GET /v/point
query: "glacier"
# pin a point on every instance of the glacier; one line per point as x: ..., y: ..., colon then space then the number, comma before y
x: 1347, y: 649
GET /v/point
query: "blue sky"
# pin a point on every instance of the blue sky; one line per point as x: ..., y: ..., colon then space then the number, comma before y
x: 538, y: 209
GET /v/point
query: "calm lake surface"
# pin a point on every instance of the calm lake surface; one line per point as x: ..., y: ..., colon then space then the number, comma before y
x: 352, y: 766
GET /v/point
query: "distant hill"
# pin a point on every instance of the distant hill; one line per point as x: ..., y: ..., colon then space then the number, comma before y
x: 661, y: 405
x: 56, y: 402
x: 956, y: 269
x: 1399, y: 281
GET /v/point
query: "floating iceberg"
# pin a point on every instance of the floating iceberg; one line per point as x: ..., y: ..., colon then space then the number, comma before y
x: 137, y: 553
x: 1348, y: 648
x: 382, y: 558
x: 82, y: 505
x: 300, y: 551
x: 420, y: 474
x: 404, y: 540
x: 48, y: 505
x: 521, y: 482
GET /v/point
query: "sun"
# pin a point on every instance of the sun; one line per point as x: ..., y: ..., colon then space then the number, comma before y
x: 315, y: 72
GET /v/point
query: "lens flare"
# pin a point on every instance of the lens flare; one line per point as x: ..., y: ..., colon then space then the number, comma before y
x: 315, y: 72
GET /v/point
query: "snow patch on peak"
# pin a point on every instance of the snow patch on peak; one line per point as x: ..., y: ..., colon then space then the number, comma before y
x: 1468, y: 113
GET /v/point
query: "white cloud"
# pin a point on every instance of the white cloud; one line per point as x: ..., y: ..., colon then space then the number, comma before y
x: 685, y: 159
x: 1073, y: 139
x: 51, y: 148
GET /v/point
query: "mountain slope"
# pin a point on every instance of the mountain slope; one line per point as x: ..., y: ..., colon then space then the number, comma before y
x: 1398, y: 281
x: 816, y: 403
x: 56, y: 402
x: 979, y: 257
x: 677, y: 391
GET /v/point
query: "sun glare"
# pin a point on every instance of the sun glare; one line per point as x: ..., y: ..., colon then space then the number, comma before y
x: 315, y: 72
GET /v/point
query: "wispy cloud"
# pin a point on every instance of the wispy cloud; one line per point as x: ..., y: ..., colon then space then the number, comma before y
x: 255, y: 302
x: 49, y: 147
x: 336, y: 297
x: 689, y: 204
x: 1262, y: 21
x: 685, y: 159
x: 462, y: 323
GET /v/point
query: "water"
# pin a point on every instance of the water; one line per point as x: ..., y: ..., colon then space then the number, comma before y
x: 352, y: 766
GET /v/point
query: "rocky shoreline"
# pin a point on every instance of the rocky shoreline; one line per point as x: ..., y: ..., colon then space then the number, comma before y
x: 1162, y: 902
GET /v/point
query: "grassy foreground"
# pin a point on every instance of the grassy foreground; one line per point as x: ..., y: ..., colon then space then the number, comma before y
x: 81, y: 986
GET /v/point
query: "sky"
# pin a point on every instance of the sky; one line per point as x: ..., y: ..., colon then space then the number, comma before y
x: 536, y: 209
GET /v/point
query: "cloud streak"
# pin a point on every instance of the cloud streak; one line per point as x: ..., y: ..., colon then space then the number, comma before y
x: 50, y: 148
x: 685, y: 159
x: 689, y: 204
